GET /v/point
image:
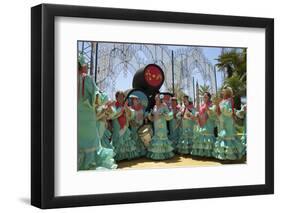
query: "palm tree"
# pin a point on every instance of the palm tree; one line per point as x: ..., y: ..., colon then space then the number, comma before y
x: 233, y: 61
x: 238, y: 86
x: 203, y: 88
x: 241, y: 69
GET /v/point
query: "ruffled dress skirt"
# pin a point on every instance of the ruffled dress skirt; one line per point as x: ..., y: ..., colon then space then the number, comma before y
x: 229, y: 148
x: 96, y: 159
x: 174, y: 132
x: 125, y: 147
x: 244, y: 137
x: 160, y: 149
x: 139, y: 144
x: 243, y: 141
x: 174, y: 137
x: 184, y: 145
x: 92, y: 155
x: 106, y: 140
x: 203, y: 144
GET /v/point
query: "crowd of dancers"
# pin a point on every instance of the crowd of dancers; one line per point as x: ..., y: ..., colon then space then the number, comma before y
x: 108, y: 129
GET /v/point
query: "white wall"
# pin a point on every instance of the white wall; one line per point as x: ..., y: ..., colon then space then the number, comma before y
x: 15, y: 104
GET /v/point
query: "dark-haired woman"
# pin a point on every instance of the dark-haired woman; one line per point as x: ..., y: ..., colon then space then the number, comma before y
x: 160, y: 147
x: 204, y: 138
x: 124, y: 145
x: 184, y: 145
x: 136, y: 123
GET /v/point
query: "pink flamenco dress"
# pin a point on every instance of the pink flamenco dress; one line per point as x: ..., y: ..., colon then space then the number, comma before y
x: 204, y: 138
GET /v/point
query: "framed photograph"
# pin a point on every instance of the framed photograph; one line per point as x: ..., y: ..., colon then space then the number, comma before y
x: 139, y: 106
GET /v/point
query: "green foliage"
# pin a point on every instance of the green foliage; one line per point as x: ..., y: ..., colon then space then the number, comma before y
x: 234, y: 63
x: 178, y: 91
x: 203, y: 88
x: 237, y: 85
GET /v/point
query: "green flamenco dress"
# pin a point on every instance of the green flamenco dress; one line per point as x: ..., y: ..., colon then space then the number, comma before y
x: 102, y: 116
x: 227, y: 146
x: 204, y: 138
x: 106, y: 139
x: 174, y: 127
x: 135, y: 124
x: 160, y: 147
x: 91, y: 155
x: 184, y: 145
x: 124, y: 146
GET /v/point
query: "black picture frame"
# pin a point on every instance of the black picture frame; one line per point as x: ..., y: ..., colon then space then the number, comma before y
x: 43, y: 105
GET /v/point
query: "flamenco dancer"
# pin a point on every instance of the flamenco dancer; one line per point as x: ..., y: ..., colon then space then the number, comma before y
x: 124, y: 146
x: 104, y: 112
x: 174, y: 124
x: 204, y: 138
x: 91, y: 154
x: 160, y: 147
x: 227, y: 147
x: 188, y: 118
x: 136, y: 123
